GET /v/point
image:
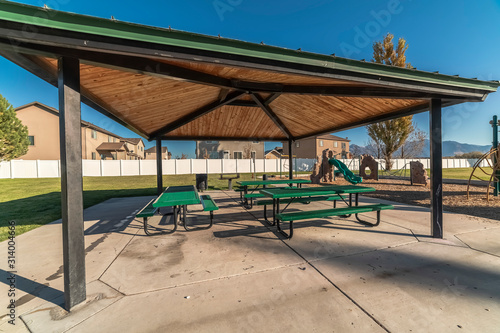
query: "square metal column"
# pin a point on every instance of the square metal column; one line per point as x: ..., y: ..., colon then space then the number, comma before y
x: 71, y: 181
x: 290, y: 159
x: 159, y: 168
x: 436, y: 168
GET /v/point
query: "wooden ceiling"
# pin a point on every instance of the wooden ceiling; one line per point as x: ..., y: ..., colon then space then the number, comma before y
x: 150, y: 103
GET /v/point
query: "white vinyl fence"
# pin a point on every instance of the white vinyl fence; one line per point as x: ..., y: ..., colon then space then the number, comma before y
x: 95, y: 168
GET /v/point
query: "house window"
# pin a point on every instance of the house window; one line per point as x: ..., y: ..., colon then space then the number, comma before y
x: 113, y: 155
x: 93, y: 134
x: 335, y: 144
x: 297, y: 144
x: 321, y: 143
x: 255, y: 141
x: 212, y: 142
x: 110, y: 138
x: 344, y: 146
x: 226, y: 154
x: 103, y: 157
x: 238, y: 155
x: 93, y: 155
x: 31, y: 138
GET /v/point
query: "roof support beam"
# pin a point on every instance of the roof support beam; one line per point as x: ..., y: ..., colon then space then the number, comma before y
x: 270, y: 113
x: 196, y: 114
x: 249, y: 104
x: 159, y: 168
x: 435, y: 125
x: 271, y: 98
x: 71, y: 183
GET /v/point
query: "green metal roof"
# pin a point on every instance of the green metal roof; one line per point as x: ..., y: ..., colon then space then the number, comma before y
x: 49, y: 18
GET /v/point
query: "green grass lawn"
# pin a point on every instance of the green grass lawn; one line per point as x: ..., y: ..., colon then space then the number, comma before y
x: 35, y: 202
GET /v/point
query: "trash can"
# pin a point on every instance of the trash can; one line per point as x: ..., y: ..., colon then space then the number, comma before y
x: 202, y: 182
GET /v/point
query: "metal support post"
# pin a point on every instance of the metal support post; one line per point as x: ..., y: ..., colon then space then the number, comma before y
x: 290, y: 160
x: 496, y: 184
x: 71, y: 182
x: 159, y: 168
x: 436, y: 169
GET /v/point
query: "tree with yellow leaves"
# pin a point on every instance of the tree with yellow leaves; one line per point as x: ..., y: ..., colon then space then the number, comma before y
x: 390, y: 135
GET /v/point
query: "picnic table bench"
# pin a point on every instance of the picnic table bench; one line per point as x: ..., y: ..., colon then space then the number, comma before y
x: 178, y: 197
x: 229, y: 178
x: 257, y: 183
x: 333, y: 193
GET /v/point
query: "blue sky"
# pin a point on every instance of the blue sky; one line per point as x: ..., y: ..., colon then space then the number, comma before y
x: 452, y: 37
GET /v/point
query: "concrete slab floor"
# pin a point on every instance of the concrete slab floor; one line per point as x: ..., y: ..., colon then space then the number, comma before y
x: 334, y: 275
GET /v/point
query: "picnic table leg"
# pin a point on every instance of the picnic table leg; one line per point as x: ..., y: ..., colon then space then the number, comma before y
x: 146, y: 231
x: 265, y: 216
x: 288, y: 235
x: 366, y: 222
x: 349, y: 204
x: 197, y: 228
x: 245, y: 192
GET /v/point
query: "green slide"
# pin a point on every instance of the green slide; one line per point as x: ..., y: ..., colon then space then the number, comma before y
x: 348, y: 175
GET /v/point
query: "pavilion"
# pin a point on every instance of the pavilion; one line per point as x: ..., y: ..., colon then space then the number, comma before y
x: 171, y: 85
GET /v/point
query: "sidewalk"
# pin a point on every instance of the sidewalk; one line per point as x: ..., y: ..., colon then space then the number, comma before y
x: 334, y: 275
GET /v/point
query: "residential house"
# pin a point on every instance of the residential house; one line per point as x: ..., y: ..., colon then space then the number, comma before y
x: 150, y: 153
x: 136, y: 148
x: 274, y: 153
x: 314, y: 146
x: 43, y: 131
x: 229, y: 149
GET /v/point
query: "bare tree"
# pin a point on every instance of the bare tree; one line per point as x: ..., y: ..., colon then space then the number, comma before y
x: 205, y: 154
x: 414, y: 145
x: 247, y: 151
x: 374, y: 148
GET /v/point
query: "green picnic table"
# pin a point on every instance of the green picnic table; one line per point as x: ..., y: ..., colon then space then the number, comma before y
x: 326, y: 192
x: 258, y: 183
x: 178, y: 197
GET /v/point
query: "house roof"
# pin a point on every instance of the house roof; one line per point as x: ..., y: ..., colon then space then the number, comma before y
x: 153, y: 150
x: 332, y: 137
x: 112, y: 146
x: 273, y: 151
x: 175, y: 85
x: 133, y: 141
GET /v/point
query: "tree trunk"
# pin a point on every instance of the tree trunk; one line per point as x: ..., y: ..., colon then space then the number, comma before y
x: 388, y: 162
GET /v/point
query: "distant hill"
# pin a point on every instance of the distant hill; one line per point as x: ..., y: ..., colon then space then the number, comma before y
x: 450, y: 148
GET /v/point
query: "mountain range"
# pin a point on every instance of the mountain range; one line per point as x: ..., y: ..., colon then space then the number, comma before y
x: 450, y: 148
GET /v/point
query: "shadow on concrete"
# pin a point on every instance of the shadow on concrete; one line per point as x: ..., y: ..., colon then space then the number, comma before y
x: 32, y: 288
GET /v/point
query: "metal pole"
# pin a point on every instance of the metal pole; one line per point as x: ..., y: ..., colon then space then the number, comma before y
x: 436, y: 169
x: 71, y: 182
x: 159, y: 168
x: 290, y: 160
x: 496, y: 184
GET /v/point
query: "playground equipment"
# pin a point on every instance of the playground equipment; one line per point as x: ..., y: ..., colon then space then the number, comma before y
x: 348, y: 175
x: 482, y: 174
x: 368, y: 162
x: 492, y: 157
